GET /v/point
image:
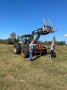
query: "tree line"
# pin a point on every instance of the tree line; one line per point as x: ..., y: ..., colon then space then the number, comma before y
x: 10, y: 40
x: 13, y: 35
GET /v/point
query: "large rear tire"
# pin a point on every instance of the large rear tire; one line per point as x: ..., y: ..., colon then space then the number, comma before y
x: 25, y: 52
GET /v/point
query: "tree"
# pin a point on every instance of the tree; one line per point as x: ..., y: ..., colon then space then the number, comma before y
x: 11, y: 38
x: 54, y: 38
x: 60, y: 42
x: 13, y: 35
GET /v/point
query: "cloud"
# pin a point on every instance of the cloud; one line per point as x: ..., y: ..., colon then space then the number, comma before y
x: 65, y: 35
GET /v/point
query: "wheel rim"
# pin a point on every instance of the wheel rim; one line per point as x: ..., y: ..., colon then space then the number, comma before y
x: 22, y: 53
x: 14, y: 50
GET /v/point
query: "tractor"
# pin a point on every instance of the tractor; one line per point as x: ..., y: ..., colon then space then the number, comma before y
x: 21, y: 45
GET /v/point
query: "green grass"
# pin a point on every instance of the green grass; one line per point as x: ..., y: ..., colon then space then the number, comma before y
x: 16, y: 73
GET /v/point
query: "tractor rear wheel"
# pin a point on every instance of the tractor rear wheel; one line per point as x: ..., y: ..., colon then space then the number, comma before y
x: 25, y: 52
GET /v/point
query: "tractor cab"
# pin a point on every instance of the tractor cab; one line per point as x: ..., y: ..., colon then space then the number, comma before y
x: 25, y: 39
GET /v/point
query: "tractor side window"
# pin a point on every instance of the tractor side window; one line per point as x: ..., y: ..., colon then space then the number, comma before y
x: 20, y: 39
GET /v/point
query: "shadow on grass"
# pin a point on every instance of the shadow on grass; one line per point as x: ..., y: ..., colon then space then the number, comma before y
x: 35, y: 58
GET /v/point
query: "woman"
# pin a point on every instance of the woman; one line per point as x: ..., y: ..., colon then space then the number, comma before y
x: 52, y: 51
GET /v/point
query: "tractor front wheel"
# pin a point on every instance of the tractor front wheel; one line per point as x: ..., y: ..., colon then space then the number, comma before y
x: 17, y: 49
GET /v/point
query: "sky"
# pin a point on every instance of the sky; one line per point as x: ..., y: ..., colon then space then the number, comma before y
x: 24, y: 16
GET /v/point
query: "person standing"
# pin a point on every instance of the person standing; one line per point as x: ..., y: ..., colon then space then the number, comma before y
x: 31, y: 45
x: 52, y: 51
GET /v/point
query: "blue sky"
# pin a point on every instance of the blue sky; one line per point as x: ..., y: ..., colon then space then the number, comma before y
x: 24, y: 16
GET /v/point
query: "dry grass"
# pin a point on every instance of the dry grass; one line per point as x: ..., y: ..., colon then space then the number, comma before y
x: 16, y: 73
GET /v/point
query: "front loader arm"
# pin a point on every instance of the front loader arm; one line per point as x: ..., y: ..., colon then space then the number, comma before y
x: 37, y: 33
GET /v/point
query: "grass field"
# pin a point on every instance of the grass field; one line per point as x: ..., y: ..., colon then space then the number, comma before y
x: 16, y: 73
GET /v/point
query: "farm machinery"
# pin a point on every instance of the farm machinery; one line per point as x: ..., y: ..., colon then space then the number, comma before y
x: 21, y: 45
